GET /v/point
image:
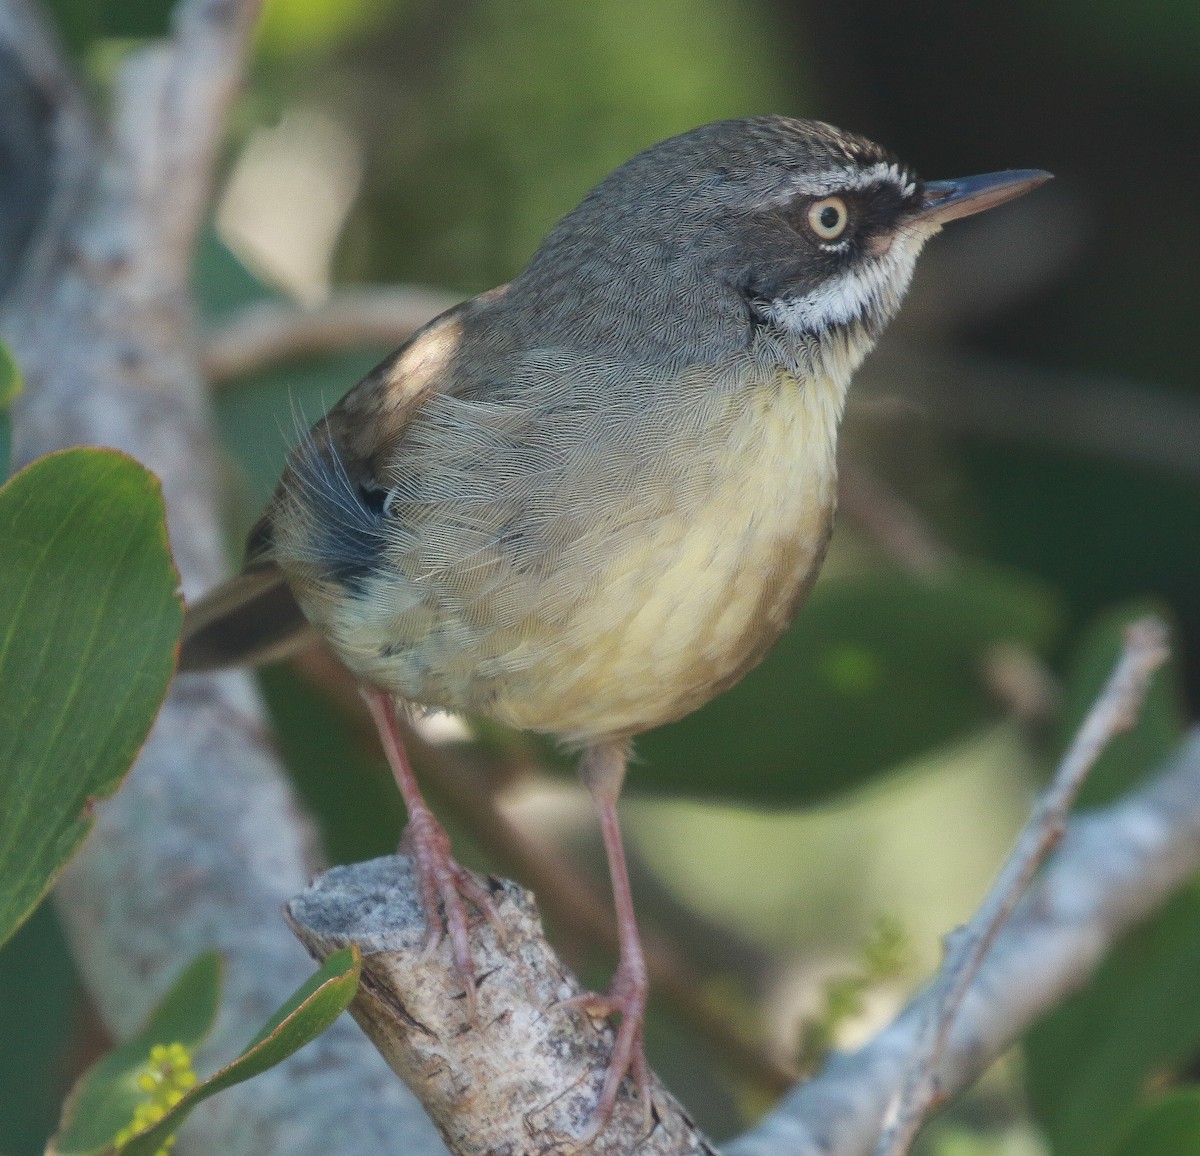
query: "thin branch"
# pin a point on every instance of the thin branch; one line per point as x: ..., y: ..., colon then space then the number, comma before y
x: 1125, y: 421
x: 891, y: 521
x: 1113, y: 868
x: 1121, y: 421
x: 1015, y: 675
x: 271, y: 332
x: 1116, y: 710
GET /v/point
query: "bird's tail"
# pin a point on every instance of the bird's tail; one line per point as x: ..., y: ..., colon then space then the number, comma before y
x: 247, y: 621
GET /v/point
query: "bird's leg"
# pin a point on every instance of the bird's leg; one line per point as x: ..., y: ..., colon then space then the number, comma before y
x: 439, y: 877
x: 602, y: 769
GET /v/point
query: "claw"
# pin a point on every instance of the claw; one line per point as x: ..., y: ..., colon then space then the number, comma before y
x: 445, y: 888
x: 625, y: 997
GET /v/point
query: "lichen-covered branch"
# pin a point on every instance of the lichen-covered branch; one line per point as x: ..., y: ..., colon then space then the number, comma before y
x: 524, y: 1075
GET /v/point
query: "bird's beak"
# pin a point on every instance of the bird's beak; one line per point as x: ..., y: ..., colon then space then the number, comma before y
x: 948, y: 200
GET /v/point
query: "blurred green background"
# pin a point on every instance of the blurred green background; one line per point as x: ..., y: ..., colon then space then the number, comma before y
x: 1034, y: 416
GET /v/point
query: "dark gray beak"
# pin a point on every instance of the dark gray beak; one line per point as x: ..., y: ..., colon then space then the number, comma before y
x: 948, y: 200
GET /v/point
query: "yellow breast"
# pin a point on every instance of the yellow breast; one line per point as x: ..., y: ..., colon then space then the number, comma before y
x: 685, y: 611
x: 599, y: 569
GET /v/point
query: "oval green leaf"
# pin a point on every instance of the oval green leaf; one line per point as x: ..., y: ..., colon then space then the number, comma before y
x: 89, y: 623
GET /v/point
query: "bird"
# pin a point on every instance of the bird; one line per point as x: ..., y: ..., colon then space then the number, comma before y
x: 587, y: 501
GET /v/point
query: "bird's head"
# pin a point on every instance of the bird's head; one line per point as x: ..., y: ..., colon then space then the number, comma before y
x: 770, y: 226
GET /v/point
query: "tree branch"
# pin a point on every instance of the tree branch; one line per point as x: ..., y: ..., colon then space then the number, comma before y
x: 1122, y: 421
x: 1113, y: 868
x: 272, y: 332
x: 203, y: 842
x: 1114, y: 711
x: 572, y: 902
x: 523, y: 1076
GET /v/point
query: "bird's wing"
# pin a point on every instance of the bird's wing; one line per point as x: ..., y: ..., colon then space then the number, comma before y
x: 254, y: 618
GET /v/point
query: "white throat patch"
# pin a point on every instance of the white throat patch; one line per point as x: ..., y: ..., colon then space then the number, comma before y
x: 873, y: 290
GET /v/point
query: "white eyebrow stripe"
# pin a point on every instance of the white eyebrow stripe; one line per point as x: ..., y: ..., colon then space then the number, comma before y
x: 850, y: 178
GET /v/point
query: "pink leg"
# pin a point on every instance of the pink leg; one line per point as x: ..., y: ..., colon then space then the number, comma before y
x: 438, y: 875
x: 603, y: 771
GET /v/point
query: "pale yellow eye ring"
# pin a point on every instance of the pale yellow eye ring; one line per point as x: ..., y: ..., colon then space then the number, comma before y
x: 828, y: 218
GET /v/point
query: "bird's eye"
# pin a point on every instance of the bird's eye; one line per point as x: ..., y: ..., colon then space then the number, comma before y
x: 828, y: 218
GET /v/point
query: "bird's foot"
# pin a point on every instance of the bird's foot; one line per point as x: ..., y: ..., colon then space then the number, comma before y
x: 626, y: 996
x: 442, y: 880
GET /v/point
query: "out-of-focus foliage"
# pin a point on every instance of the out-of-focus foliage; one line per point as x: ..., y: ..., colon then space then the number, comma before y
x: 10, y: 377
x: 1136, y: 1022
x: 1090, y: 1059
x: 528, y: 104
x: 874, y: 671
x: 10, y: 387
x: 38, y: 1026
x: 300, y: 27
x: 1161, y: 39
x: 1168, y: 1127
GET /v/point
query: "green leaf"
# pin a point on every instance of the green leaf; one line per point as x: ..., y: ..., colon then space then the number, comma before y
x: 312, y: 1009
x: 10, y: 387
x: 1088, y: 1062
x: 10, y: 377
x: 39, y: 1025
x: 875, y: 670
x: 89, y: 622
x: 1160, y: 724
x: 104, y: 1099
x: 1170, y: 1127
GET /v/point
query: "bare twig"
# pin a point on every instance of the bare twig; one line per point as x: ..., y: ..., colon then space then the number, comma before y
x: 1014, y: 674
x: 272, y: 332
x: 1114, y: 711
x: 1122, y: 421
x: 1113, y: 869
